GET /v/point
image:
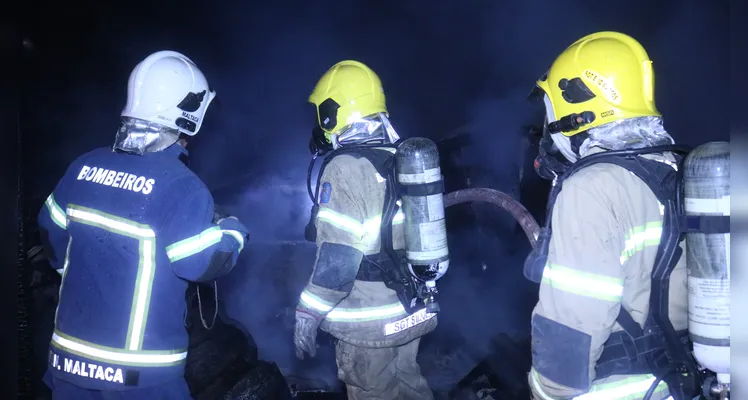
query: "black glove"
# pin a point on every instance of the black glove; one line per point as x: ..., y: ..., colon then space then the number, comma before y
x: 305, y: 334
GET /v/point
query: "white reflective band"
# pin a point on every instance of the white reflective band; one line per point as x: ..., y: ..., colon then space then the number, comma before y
x: 341, y: 221
x: 55, y: 212
x: 314, y: 303
x: 346, y: 223
x: 146, y: 264
x: 111, y: 223
x: 538, y: 388
x: 371, y: 226
x: 142, y: 296
x: 583, y: 283
x: 427, y: 255
x: 366, y: 314
x: 236, y: 235
x: 640, y: 237
x: 717, y: 205
x: 654, y: 233
x: 195, y: 244
x: 629, y: 388
x: 427, y: 176
x: 116, y: 357
x: 60, y: 270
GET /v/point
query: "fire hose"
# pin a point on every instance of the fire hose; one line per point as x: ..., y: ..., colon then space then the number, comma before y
x: 500, y: 199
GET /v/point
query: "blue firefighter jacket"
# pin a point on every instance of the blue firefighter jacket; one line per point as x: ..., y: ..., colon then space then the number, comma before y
x: 127, y: 232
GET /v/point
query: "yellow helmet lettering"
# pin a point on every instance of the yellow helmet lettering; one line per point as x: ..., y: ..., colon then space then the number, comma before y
x: 349, y: 90
x: 608, y: 74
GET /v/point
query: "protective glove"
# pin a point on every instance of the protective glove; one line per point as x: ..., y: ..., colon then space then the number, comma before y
x: 232, y: 226
x: 305, y: 334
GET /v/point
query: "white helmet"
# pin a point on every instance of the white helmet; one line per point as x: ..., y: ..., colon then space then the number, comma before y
x: 168, y: 89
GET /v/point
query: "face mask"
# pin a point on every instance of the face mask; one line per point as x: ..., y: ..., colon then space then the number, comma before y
x: 550, y: 162
x: 318, y: 143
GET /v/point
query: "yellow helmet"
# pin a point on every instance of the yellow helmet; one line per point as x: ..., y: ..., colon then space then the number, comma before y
x: 601, y: 78
x: 347, y: 91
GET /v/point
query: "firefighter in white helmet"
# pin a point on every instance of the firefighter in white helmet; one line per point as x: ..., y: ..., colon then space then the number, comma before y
x: 127, y: 226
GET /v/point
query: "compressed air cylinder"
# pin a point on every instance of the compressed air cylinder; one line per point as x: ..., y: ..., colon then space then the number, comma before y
x: 420, y: 179
x: 707, y: 192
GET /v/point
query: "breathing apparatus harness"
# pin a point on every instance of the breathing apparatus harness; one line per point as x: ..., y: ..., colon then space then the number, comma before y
x: 389, y: 265
x: 656, y: 348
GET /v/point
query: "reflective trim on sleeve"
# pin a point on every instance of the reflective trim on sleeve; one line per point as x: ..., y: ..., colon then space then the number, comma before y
x: 640, y: 237
x: 583, y: 283
x: 315, y: 303
x: 538, y: 387
x: 366, y: 314
x: 353, y: 314
x: 146, y: 264
x: 55, y: 212
x: 632, y: 388
x: 195, y: 244
x: 236, y: 235
x: 146, y: 358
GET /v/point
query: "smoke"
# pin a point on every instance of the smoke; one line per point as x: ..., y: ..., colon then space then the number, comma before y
x: 444, y: 65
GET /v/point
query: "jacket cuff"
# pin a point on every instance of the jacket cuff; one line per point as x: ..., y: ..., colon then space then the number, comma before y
x: 317, y: 300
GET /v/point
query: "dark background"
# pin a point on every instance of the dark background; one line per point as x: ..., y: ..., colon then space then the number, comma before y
x: 445, y: 66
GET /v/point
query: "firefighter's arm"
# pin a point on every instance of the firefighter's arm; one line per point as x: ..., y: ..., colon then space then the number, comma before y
x: 340, y: 231
x: 580, y: 294
x: 200, y: 250
x: 52, y: 221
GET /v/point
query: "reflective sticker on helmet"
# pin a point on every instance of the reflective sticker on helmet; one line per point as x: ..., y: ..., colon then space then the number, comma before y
x: 324, y: 195
x: 605, y: 85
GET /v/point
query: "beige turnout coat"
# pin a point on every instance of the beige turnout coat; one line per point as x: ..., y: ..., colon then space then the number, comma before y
x: 606, y: 229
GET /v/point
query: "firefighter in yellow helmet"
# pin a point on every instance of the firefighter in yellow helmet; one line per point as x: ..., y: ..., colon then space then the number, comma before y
x: 610, y: 322
x: 360, y: 291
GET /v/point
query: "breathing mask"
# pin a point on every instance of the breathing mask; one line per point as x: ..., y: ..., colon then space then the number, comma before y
x: 550, y: 162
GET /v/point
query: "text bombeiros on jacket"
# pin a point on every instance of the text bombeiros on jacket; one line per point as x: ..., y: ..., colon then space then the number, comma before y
x: 122, y: 180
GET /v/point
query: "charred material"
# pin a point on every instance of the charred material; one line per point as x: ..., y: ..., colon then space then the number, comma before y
x: 500, y: 376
